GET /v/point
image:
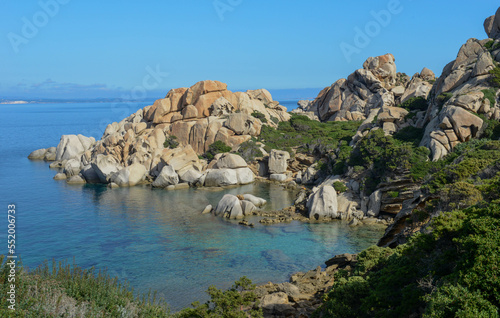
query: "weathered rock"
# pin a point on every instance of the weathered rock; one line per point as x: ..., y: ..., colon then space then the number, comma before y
x: 229, y: 206
x: 416, y: 88
x: 72, y: 167
x: 247, y: 207
x: 73, y: 146
x: 310, y: 175
x: 129, y: 176
x: 50, y: 155
x: 207, y: 209
x: 221, y: 177
x: 221, y: 107
x: 89, y: 174
x: 483, y: 65
x: 383, y: 67
x: 243, y: 124
x: 323, y: 203
x: 60, y: 176
x: 191, y: 176
x: 167, y: 177
x: 77, y: 179
x: 259, y: 202
x: 374, y: 204
x: 38, y: 154
x: 230, y: 161
x: 278, y: 161
x: 270, y: 302
x: 244, y: 175
x: 180, y: 186
x: 105, y: 166
x: 492, y: 25
x: 280, y: 177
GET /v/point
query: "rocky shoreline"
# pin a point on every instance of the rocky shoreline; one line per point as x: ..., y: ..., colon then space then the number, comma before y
x: 198, y: 136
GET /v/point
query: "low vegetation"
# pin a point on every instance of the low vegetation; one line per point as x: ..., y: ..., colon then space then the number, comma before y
x: 260, y: 116
x: 216, y: 148
x: 308, y: 136
x: 63, y: 290
x: 171, y: 142
x: 415, y: 104
x: 249, y: 150
x: 232, y: 303
x: 495, y: 77
x: 451, y: 271
x: 491, y: 95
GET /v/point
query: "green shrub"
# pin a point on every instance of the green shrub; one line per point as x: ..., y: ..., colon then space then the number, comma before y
x: 459, y: 195
x: 415, y: 104
x: 308, y: 136
x: 339, y: 186
x: 410, y: 134
x: 215, y: 148
x: 249, y: 150
x: 450, y: 272
x: 489, y: 44
x: 492, y: 130
x: 443, y: 98
x: 260, y: 116
x: 171, y: 142
x: 275, y: 120
x: 495, y: 77
x: 491, y: 95
x: 227, y: 303
x: 393, y: 194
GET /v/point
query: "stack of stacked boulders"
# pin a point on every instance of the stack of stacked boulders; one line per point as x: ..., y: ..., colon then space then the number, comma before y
x: 132, y: 151
x: 236, y: 206
x: 464, y: 80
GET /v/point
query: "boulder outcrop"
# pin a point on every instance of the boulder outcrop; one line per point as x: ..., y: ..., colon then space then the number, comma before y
x: 174, y: 131
x: 323, y: 203
x: 237, y: 207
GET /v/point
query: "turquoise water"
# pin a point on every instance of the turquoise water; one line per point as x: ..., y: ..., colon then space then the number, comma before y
x: 155, y: 239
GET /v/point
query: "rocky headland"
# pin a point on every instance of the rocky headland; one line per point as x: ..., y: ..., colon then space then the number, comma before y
x: 392, y: 149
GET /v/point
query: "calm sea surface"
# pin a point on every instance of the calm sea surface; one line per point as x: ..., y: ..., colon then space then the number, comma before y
x: 152, y: 238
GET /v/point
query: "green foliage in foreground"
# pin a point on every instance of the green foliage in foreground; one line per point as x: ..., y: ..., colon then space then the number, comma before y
x: 171, y: 142
x: 308, y: 135
x: 62, y: 290
x: 228, y: 304
x: 215, y: 148
x: 451, y: 272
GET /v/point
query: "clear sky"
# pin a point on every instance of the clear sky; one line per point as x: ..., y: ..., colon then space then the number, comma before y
x: 111, y: 48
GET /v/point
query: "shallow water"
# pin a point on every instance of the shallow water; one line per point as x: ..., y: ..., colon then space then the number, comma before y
x: 153, y: 238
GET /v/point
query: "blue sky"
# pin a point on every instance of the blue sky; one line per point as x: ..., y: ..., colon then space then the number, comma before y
x: 75, y: 49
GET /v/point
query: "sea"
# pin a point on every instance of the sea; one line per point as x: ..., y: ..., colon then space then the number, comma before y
x: 155, y: 240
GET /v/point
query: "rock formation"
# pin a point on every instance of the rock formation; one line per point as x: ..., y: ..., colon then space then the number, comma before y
x: 237, y: 207
x: 194, y: 117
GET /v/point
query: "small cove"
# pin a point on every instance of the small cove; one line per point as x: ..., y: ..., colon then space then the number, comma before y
x: 155, y: 239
